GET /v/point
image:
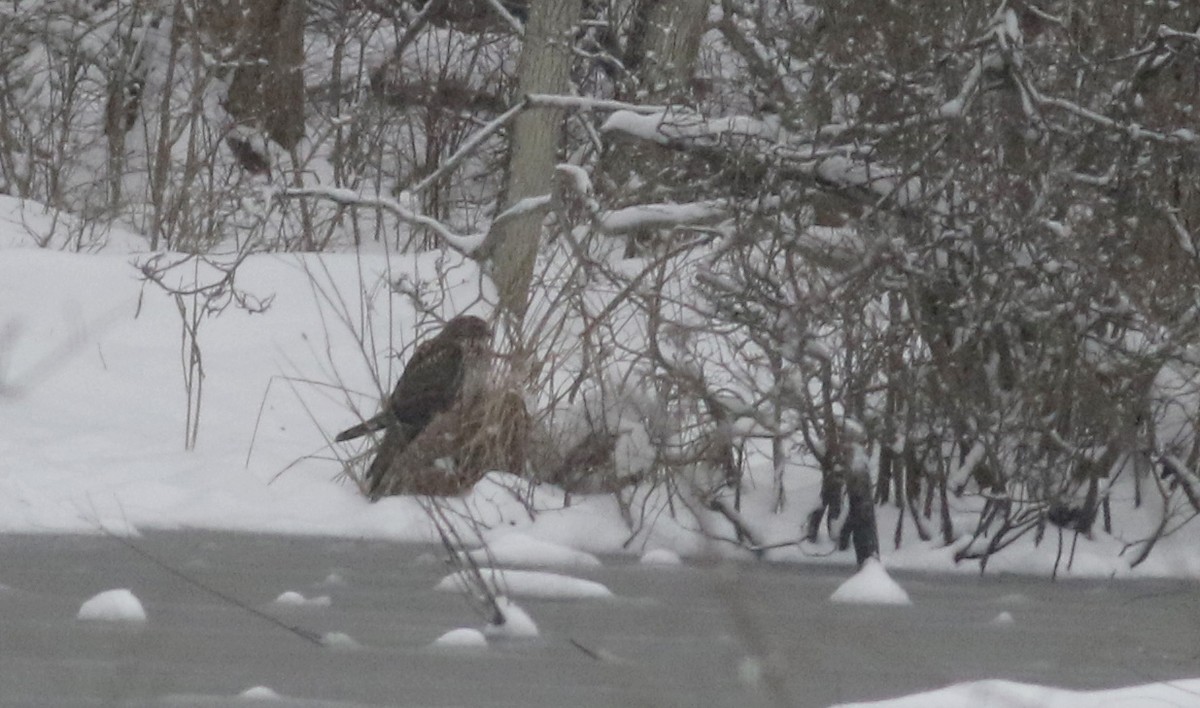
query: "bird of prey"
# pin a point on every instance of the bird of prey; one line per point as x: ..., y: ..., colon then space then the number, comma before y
x: 446, y: 370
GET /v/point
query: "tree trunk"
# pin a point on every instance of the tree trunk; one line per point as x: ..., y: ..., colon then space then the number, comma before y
x: 545, y: 67
x: 266, y: 40
x: 664, y: 42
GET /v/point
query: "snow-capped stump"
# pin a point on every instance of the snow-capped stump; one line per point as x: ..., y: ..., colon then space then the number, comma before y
x: 528, y: 583
x: 661, y: 556
x: 339, y: 641
x: 519, y: 549
x: 291, y: 598
x: 517, y: 624
x: 260, y: 693
x: 871, y: 585
x: 1004, y: 619
x: 461, y: 638
x: 119, y: 605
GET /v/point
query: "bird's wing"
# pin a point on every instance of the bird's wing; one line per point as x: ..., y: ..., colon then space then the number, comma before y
x: 429, y: 383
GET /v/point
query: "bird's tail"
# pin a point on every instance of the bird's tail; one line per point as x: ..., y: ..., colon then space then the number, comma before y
x: 397, y: 437
x: 379, y: 422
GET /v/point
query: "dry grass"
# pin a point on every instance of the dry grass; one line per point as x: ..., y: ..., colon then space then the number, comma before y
x: 460, y: 446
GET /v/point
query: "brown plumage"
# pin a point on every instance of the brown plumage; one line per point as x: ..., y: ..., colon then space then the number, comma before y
x: 448, y: 370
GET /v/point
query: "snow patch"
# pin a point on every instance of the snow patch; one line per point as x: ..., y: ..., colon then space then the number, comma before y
x: 516, y: 623
x: 661, y: 556
x: 339, y: 641
x: 462, y: 638
x: 871, y: 585
x: 332, y: 580
x: 519, y: 549
x: 527, y: 583
x: 260, y: 693
x: 119, y: 605
x: 1010, y: 694
x: 291, y: 598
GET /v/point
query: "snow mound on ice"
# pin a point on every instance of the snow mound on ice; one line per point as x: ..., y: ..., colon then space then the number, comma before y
x: 119, y: 605
x: 528, y: 583
x: 1004, y: 619
x: 517, y: 623
x: 339, y: 641
x: 291, y: 598
x: 260, y: 693
x: 871, y: 585
x: 661, y: 556
x: 1009, y: 694
x: 461, y: 638
x: 520, y: 549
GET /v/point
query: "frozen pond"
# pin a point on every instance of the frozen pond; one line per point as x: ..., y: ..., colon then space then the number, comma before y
x: 671, y: 636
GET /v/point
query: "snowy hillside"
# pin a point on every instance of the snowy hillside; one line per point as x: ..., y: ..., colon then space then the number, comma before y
x: 93, y: 409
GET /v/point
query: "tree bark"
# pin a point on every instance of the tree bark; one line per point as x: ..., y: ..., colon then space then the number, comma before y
x: 544, y: 67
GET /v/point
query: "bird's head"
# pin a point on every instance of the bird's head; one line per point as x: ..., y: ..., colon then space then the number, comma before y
x: 468, y: 327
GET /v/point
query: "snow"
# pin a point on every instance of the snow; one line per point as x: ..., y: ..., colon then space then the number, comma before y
x: 520, y: 549
x: 93, y: 407
x: 339, y: 641
x: 461, y: 638
x: 119, y: 605
x: 1009, y: 694
x: 292, y: 598
x: 517, y: 623
x: 260, y: 693
x: 651, y: 216
x: 871, y: 585
x: 332, y: 580
x: 661, y: 556
x: 1004, y: 619
x: 528, y: 583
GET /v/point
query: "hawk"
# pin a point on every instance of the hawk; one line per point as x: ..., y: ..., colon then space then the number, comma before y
x: 449, y: 369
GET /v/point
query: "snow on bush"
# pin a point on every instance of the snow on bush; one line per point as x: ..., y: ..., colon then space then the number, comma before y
x: 528, y: 583
x: 119, y: 605
x: 871, y: 585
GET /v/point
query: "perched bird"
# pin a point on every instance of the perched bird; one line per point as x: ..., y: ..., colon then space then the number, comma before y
x: 449, y: 369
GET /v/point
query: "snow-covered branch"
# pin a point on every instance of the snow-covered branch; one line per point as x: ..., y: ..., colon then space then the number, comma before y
x: 658, y: 216
x: 582, y: 103
x: 466, y: 244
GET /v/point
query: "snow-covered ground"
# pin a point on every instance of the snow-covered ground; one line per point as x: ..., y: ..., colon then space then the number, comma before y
x: 93, y: 408
x: 1008, y: 694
